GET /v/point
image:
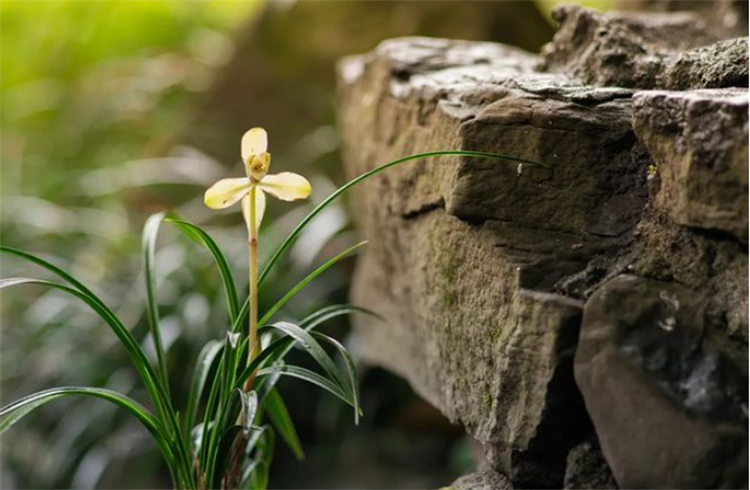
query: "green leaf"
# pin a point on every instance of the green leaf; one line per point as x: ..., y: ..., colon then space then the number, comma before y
x: 198, y: 234
x: 279, y: 348
x: 218, y: 399
x: 310, y: 277
x: 206, y: 360
x: 276, y: 409
x: 159, y: 396
x: 229, y: 365
x: 265, y: 355
x: 314, y: 320
x: 131, y: 344
x: 255, y: 435
x: 249, y: 408
x: 150, y: 234
x: 308, y: 342
x: 228, y: 416
x: 310, y: 377
x: 351, y: 370
x: 12, y: 413
x: 324, y: 314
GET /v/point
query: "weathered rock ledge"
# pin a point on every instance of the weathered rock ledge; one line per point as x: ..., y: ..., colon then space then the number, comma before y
x: 600, y: 301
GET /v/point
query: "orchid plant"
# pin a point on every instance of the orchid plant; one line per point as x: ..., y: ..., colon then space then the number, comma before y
x: 225, y: 434
x: 286, y: 186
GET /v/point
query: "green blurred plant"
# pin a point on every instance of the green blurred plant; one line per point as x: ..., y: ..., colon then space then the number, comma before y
x: 233, y: 445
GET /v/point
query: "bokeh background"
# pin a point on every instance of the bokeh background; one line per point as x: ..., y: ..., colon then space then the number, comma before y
x: 113, y: 110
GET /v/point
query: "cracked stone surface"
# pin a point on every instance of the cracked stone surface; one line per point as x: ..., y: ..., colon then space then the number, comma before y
x: 483, y: 268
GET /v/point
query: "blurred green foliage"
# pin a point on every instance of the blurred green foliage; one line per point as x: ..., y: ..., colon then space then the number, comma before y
x: 88, y: 84
x: 88, y: 90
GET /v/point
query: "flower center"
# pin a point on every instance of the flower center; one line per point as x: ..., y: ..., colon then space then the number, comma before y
x: 257, y: 166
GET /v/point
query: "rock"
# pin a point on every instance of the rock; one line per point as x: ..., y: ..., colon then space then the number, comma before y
x: 644, y: 50
x: 496, y: 359
x: 722, y: 64
x: 667, y: 391
x: 724, y: 18
x: 481, y: 480
x: 482, y: 267
x: 714, y: 266
x: 587, y: 469
x: 698, y: 140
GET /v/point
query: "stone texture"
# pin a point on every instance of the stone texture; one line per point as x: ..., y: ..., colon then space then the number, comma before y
x: 481, y: 480
x: 587, y: 469
x: 482, y: 267
x: 714, y: 266
x: 698, y: 140
x: 667, y: 392
x: 724, y: 18
x: 498, y: 359
x: 644, y: 50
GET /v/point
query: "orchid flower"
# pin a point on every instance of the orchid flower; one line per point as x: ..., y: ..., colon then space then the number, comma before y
x: 286, y: 186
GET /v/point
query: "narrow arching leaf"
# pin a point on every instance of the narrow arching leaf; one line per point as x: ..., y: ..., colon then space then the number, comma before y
x: 265, y: 355
x: 280, y: 347
x: 308, y: 343
x: 329, y: 312
x: 150, y: 234
x: 131, y: 344
x: 206, y: 359
x: 10, y: 414
x: 197, y: 233
x: 309, y: 376
x: 307, y: 280
x: 276, y: 409
x: 351, y: 370
x: 316, y: 319
x: 133, y: 347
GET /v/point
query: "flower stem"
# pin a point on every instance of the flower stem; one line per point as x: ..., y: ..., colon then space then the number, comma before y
x: 253, y: 340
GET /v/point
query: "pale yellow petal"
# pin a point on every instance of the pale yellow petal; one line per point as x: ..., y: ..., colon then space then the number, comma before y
x: 286, y: 186
x: 260, y: 208
x: 226, y: 192
x: 254, y: 142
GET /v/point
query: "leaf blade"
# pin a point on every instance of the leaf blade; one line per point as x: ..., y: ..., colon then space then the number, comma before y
x: 230, y: 287
x: 278, y: 413
x: 149, y: 237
